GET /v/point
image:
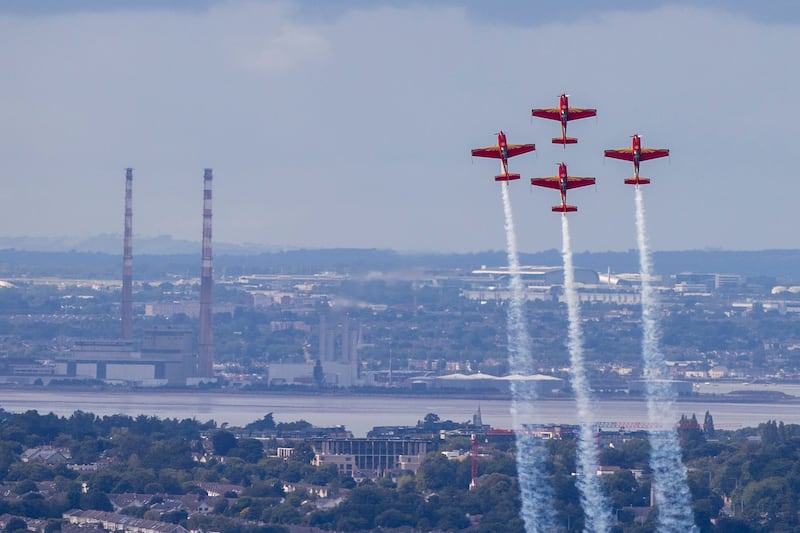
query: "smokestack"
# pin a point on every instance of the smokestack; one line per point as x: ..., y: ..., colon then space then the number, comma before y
x: 126, y: 332
x: 323, y: 332
x: 205, y: 361
x: 345, y: 355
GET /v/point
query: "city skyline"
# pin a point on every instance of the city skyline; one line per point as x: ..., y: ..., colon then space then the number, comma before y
x: 352, y: 127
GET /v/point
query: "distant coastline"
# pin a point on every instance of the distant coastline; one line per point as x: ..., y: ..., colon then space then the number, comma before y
x: 769, y: 392
x: 359, y: 413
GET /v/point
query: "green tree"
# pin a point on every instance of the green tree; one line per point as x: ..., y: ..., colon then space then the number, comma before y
x: 496, y: 498
x: 430, y: 421
x: 303, y: 453
x: 436, y: 472
x: 624, y: 490
x: 223, y: 442
x: 96, y: 500
x: 691, y: 436
x: 15, y: 524
x: 394, y: 518
x: 169, y: 453
x: 266, y: 423
x: 174, y: 517
x: 251, y: 450
x: 24, y: 486
x: 708, y: 425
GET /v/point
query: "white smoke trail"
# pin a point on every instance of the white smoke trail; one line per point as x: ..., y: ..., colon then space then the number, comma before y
x: 535, y: 493
x: 669, y: 473
x: 595, y: 505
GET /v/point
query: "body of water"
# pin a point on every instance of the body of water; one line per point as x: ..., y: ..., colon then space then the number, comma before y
x: 360, y: 413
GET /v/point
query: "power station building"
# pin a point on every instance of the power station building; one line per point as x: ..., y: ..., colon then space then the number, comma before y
x: 339, y: 338
x: 164, y: 357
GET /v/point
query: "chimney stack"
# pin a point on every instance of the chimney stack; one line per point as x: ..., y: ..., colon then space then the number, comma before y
x: 126, y: 332
x: 205, y: 360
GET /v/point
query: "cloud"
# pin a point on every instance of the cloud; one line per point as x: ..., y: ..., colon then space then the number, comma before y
x: 293, y: 47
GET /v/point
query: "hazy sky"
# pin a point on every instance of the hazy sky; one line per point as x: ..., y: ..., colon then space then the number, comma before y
x: 352, y: 126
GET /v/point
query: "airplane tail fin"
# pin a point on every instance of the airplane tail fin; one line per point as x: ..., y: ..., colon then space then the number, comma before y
x: 637, y: 181
x: 506, y: 177
x: 564, y: 140
x: 564, y: 208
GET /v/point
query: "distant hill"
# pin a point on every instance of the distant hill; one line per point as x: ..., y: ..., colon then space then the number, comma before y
x: 782, y: 266
x: 111, y: 243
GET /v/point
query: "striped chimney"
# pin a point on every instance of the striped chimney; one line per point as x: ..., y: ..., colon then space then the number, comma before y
x: 126, y: 332
x: 205, y: 361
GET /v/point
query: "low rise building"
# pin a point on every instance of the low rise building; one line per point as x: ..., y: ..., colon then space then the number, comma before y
x: 371, y: 457
x: 120, y: 522
x: 46, y: 454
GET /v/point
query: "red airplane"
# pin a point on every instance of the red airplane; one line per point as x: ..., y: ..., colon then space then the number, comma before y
x: 563, y: 182
x: 503, y: 151
x: 637, y: 154
x: 564, y: 113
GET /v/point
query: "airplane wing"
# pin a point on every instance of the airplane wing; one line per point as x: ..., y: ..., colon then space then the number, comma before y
x: 517, y: 149
x: 625, y: 154
x: 575, y: 113
x: 653, y: 153
x: 489, y: 151
x: 552, y: 113
x: 551, y: 182
x: 573, y: 182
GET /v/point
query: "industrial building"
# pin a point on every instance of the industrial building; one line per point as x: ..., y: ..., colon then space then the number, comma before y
x: 339, y: 338
x: 164, y: 357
